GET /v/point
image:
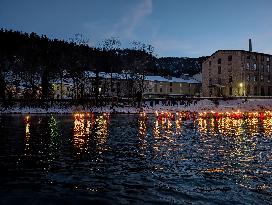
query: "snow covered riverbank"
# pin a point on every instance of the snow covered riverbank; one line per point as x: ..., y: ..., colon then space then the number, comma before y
x: 200, y: 106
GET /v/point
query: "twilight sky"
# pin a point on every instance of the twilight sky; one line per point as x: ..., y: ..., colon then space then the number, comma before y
x: 180, y: 28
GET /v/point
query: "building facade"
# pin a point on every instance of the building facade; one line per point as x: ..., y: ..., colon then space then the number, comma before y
x: 125, y: 85
x: 157, y: 86
x: 237, y: 73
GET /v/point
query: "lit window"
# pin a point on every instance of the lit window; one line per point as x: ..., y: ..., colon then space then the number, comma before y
x: 248, y: 77
x: 261, y: 78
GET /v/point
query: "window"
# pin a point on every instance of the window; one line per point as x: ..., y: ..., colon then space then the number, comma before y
x: 230, y: 79
x: 268, y: 68
x: 262, y: 58
x: 210, y: 63
x: 255, y: 78
x: 219, y: 61
x: 262, y: 68
x: 268, y: 59
x: 255, y: 90
x: 219, y: 69
x: 219, y: 81
x: 248, y: 90
x: 171, y: 83
x: 261, y: 78
x: 247, y: 66
x: 230, y: 90
x: 229, y: 58
x: 254, y: 67
x: 262, y: 91
x: 248, y: 77
x: 171, y: 90
x: 268, y: 79
x: 161, y: 90
x: 248, y: 57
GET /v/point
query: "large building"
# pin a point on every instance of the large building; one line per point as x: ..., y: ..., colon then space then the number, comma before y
x: 237, y: 73
x: 126, y: 85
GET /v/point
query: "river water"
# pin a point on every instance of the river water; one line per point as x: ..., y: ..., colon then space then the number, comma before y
x: 128, y: 159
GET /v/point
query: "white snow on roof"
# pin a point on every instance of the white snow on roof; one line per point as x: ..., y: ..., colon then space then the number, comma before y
x: 91, y: 74
x: 156, y: 78
x: 65, y: 81
x: 172, y: 79
x: 124, y: 76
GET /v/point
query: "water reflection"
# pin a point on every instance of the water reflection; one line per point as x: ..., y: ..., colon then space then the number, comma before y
x: 27, y: 133
x: 233, y: 144
x: 175, y: 158
x: 88, y: 127
x: 53, y: 129
x: 101, y: 132
x: 237, y: 143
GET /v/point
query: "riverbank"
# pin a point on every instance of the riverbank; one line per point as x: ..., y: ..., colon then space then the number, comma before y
x: 199, y: 106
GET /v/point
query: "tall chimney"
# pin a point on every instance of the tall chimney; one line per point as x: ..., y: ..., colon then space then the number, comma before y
x: 250, y: 45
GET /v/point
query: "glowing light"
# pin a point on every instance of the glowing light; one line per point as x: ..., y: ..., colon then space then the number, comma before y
x: 27, y: 132
x: 82, y: 129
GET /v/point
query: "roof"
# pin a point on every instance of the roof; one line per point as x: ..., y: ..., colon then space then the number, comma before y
x: 173, y: 79
x: 244, y: 51
x: 65, y: 81
x: 91, y: 74
x: 125, y: 76
x: 251, y: 52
